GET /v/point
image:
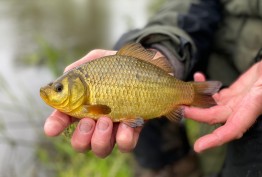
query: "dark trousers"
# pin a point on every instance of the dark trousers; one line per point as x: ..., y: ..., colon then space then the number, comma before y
x: 161, y: 143
x: 244, y: 156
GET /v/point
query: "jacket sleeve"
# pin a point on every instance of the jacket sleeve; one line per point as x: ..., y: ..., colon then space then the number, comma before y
x: 182, y: 30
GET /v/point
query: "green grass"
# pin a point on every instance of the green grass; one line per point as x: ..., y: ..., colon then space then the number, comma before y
x: 59, y: 157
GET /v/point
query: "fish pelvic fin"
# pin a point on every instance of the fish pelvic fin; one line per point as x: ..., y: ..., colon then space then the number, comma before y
x: 136, y: 50
x: 203, y: 93
x: 176, y: 114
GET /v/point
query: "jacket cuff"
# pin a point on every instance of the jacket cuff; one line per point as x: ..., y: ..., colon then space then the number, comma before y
x: 173, y: 43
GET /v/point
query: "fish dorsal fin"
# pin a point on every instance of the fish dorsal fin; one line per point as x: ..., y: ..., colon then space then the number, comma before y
x: 136, y: 50
x: 162, y: 63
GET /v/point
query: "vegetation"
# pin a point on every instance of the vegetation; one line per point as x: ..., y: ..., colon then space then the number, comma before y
x: 53, y: 156
x: 47, y: 55
x: 59, y: 157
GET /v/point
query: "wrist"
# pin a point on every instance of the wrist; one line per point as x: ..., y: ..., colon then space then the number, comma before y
x: 177, y: 66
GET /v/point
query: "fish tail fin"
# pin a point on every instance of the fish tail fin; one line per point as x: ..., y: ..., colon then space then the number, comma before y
x: 203, y: 93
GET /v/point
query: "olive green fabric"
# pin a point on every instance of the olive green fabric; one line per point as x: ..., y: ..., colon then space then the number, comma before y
x: 237, y: 41
x: 162, y: 32
x: 250, y: 8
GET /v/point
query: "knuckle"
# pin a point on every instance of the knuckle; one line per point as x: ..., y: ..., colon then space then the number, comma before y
x: 80, y: 146
x: 239, y: 135
x: 213, y: 121
x: 100, y: 148
x: 219, y: 138
x: 95, y: 51
x: 101, y: 155
x: 67, y: 68
x: 125, y: 145
x: 92, y: 52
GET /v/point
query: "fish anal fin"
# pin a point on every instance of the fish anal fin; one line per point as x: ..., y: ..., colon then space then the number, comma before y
x: 98, y: 109
x: 176, y: 114
x: 133, y: 122
x: 136, y: 50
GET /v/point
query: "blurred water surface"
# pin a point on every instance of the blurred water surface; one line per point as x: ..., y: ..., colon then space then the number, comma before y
x: 32, y: 34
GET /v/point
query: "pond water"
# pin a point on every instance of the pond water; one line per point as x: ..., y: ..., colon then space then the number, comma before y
x: 69, y: 26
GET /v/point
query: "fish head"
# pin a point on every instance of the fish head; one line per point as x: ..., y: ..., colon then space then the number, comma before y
x: 66, y: 93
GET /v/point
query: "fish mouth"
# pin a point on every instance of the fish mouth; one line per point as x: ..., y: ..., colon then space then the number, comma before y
x: 43, y: 94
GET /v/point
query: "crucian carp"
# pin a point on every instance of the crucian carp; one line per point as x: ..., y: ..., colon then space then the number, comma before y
x: 127, y: 87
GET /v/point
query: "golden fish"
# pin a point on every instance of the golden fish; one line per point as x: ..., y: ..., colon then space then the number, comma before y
x: 127, y: 87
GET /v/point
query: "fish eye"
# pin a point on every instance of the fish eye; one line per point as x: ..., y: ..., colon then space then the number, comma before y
x: 58, y: 87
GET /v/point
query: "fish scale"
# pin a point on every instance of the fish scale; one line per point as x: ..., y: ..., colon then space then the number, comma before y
x: 126, y: 87
x: 114, y: 81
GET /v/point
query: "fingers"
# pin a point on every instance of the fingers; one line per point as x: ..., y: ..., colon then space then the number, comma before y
x: 100, y: 136
x: 90, y: 56
x: 101, y: 142
x: 56, y: 123
x: 213, y: 115
x: 96, y: 136
x: 240, y: 105
x: 199, y: 77
x: 220, y: 136
x: 237, y: 124
x: 81, y: 139
x: 211, y: 140
x: 127, y: 137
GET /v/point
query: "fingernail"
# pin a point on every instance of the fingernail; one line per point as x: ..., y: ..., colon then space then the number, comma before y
x: 85, y: 127
x: 102, y: 125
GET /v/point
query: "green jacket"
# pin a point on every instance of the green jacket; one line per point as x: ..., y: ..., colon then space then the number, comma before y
x: 221, y: 38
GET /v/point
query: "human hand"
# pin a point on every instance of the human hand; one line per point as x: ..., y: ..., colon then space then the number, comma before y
x: 99, y: 136
x: 237, y: 107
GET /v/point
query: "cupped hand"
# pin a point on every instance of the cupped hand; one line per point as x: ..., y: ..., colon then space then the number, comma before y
x: 237, y: 107
x: 98, y: 136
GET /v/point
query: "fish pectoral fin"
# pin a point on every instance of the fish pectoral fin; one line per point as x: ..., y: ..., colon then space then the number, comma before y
x: 98, y: 109
x: 176, y: 114
x: 133, y: 122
